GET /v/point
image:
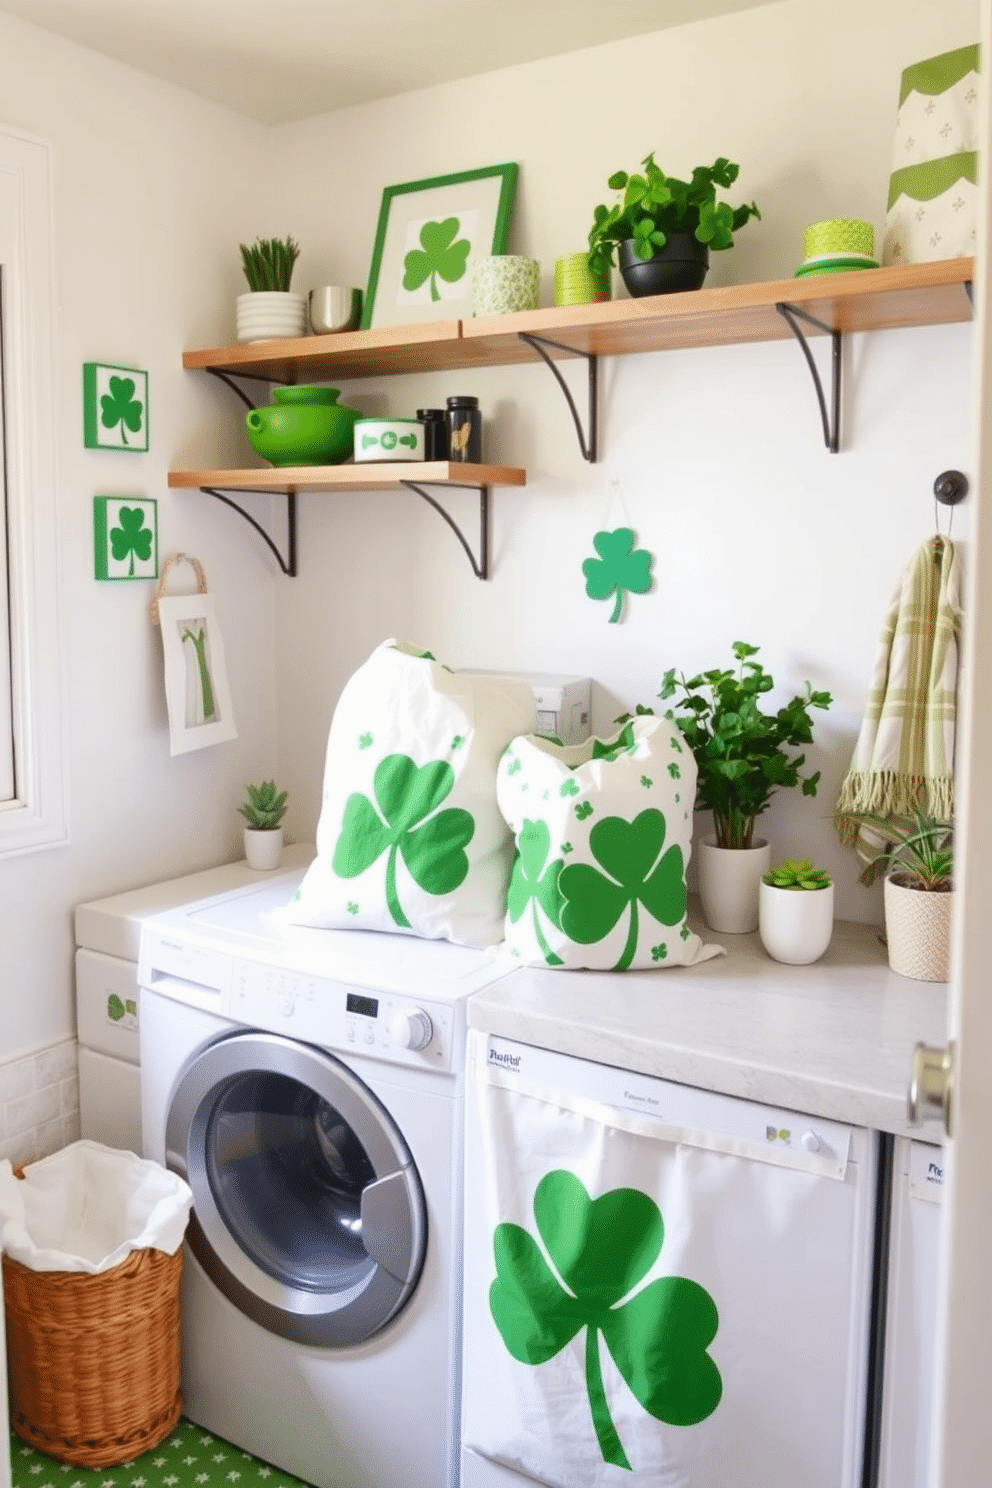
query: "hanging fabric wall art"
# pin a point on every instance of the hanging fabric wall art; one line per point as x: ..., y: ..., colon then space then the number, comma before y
x: 196, y: 690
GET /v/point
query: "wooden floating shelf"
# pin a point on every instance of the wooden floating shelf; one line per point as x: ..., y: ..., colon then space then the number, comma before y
x: 861, y: 300
x: 367, y: 477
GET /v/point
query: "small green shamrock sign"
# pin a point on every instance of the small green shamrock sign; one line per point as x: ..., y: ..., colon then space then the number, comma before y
x: 115, y: 407
x: 602, y: 1249
x: 442, y: 254
x: 619, y: 569
x: 125, y: 537
x: 404, y: 820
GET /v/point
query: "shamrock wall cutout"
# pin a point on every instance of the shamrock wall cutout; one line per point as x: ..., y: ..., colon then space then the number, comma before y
x: 619, y: 568
x: 432, y: 846
x: 125, y: 537
x: 441, y: 252
x: 115, y: 407
x: 602, y: 1249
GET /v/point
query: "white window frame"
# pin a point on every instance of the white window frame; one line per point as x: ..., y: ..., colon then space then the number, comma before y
x: 36, y: 816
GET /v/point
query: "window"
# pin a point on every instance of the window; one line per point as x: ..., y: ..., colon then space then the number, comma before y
x: 32, y: 776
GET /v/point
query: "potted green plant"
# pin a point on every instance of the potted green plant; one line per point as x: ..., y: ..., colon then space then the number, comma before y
x: 917, y: 855
x: 270, y: 310
x: 743, y: 756
x: 263, y: 809
x: 796, y: 911
x: 660, y: 230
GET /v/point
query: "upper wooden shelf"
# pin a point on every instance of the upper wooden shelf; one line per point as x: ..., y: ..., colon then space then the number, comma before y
x: 378, y: 476
x: 862, y: 300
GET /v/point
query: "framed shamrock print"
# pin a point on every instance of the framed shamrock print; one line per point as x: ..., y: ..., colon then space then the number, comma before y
x: 197, y: 694
x: 115, y: 407
x: 429, y: 235
x: 125, y: 537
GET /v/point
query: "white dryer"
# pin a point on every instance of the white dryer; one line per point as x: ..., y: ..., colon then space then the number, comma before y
x: 309, y: 1086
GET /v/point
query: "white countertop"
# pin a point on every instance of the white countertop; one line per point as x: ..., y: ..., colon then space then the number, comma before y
x: 833, y: 1039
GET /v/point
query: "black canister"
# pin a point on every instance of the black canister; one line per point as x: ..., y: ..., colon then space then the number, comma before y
x: 464, y: 430
x: 435, y: 433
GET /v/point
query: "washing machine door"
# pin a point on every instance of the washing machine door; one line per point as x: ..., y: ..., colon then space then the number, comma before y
x: 308, y: 1212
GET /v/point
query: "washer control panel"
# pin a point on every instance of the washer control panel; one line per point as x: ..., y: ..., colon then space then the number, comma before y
x: 384, y: 1025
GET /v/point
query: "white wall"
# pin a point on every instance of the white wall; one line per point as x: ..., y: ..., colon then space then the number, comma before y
x: 758, y: 533
x: 152, y: 192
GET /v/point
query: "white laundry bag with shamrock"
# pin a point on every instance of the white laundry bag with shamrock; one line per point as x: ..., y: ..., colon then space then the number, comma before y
x: 410, y: 837
x: 629, y: 1315
x: 603, y: 834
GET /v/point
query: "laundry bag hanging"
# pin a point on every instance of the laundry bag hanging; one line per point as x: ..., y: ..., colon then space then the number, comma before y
x: 410, y: 837
x: 603, y: 834
x: 642, y: 1295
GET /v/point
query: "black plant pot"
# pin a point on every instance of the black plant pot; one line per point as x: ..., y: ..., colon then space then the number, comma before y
x: 682, y: 264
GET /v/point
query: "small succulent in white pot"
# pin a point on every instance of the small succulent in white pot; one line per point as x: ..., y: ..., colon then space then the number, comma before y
x: 263, y: 809
x: 796, y: 911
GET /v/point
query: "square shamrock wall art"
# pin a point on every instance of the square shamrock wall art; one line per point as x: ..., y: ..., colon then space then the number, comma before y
x: 115, y: 407
x: 125, y: 537
x: 429, y: 235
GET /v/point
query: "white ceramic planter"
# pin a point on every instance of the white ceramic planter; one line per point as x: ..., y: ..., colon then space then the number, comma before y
x: 795, y: 925
x: 729, y: 879
x: 918, y: 932
x: 270, y: 315
x: 263, y: 850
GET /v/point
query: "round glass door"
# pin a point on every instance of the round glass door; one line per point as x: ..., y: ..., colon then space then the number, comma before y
x: 308, y: 1212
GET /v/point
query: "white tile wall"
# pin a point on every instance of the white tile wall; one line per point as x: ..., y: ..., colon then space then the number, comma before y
x: 39, y: 1102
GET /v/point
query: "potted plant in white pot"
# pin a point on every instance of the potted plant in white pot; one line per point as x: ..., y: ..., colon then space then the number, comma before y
x: 661, y: 229
x: 917, y: 854
x: 742, y: 758
x: 263, y: 809
x: 270, y: 310
x: 796, y: 911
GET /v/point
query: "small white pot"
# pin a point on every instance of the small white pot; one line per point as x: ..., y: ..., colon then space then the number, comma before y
x: 263, y: 850
x: 918, y: 931
x: 795, y: 925
x: 270, y: 315
x: 728, y: 885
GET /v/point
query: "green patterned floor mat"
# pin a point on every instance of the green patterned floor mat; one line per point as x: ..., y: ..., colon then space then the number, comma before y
x: 188, y: 1458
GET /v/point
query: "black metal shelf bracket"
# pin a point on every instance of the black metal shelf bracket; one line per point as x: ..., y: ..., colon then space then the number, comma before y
x: 228, y: 379
x: 287, y: 564
x: 538, y: 343
x: 480, y: 566
x: 831, y: 422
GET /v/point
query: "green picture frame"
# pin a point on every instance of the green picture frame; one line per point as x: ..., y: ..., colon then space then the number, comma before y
x: 115, y: 407
x: 428, y: 238
x: 125, y: 537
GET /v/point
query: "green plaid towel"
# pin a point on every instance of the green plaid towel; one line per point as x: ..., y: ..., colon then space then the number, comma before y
x: 905, y: 750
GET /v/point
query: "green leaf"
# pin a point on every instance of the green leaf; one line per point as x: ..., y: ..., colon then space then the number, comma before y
x: 680, y: 1388
x: 536, y: 1319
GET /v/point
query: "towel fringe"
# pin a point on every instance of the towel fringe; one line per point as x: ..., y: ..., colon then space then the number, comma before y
x: 889, y: 794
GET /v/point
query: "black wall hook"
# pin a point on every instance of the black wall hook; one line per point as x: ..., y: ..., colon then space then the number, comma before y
x: 950, y: 487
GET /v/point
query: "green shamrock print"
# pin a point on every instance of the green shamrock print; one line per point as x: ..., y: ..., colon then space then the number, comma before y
x: 566, y: 847
x: 132, y: 536
x: 611, y: 749
x: 352, y: 907
x: 514, y: 767
x: 602, y: 1249
x: 438, y: 254
x: 120, y: 406
x: 365, y: 741
x: 636, y: 872
x: 675, y: 745
x: 432, y: 847
x: 620, y: 568
x: 568, y: 788
x: 583, y: 809
x: 458, y: 741
x: 659, y: 952
x: 198, y: 639
x: 674, y: 771
x: 534, y: 883
x: 647, y: 782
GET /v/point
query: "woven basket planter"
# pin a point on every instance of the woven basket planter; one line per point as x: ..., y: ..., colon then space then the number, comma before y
x: 918, y: 931
x: 93, y: 1359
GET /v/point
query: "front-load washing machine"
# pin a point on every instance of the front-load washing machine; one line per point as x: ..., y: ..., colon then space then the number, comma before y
x: 308, y: 1084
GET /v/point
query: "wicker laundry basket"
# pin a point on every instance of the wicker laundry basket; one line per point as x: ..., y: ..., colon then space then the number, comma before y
x: 93, y: 1358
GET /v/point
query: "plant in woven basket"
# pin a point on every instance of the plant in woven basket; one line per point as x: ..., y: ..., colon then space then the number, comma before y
x: 264, y: 806
x: 268, y: 263
x: 797, y: 873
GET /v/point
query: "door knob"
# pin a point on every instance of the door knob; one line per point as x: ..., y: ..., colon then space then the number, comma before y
x: 931, y: 1086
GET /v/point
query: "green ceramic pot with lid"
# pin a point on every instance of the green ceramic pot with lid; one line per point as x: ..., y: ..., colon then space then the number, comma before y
x: 303, y: 426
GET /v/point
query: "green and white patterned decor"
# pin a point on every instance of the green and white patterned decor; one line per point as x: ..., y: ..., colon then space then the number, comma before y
x: 115, y: 407
x: 504, y: 283
x: 125, y: 537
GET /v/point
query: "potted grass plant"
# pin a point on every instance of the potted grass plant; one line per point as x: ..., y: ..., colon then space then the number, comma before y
x: 263, y: 809
x: 270, y: 310
x: 660, y: 229
x: 916, y: 854
x: 796, y: 911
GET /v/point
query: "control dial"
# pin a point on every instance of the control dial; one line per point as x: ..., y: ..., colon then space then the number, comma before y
x: 411, y: 1028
